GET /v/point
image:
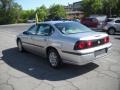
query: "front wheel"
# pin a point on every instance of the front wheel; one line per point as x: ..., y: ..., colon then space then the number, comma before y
x: 54, y: 58
x: 20, y: 47
x: 111, y: 31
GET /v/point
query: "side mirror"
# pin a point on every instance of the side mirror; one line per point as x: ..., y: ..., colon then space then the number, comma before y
x: 26, y: 33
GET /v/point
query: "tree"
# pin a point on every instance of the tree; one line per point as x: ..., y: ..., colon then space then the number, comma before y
x: 87, y: 7
x: 15, y: 12
x: 27, y: 14
x: 111, y: 6
x: 57, y: 11
x: 42, y: 13
x: 97, y: 6
x: 118, y: 7
x: 9, y: 11
x: 108, y: 7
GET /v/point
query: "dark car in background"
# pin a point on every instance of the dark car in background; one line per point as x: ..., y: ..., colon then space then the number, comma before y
x: 94, y: 21
x: 90, y: 22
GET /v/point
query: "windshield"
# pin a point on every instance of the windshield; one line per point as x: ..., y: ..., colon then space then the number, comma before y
x: 72, y: 28
x: 102, y: 18
x: 99, y: 18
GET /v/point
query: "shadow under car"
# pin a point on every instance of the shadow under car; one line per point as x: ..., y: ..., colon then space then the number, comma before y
x: 38, y: 67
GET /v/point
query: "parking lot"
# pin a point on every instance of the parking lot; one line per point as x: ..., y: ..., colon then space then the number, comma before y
x: 25, y: 71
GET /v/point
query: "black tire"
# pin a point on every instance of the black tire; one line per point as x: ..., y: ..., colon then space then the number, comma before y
x: 111, y: 31
x: 19, y: 45
x: 57, y: 62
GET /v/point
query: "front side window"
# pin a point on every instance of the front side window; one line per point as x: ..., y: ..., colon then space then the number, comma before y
x: 117, y: 21
x: 72, y: 28
x: 32, y: 29
x: 44, y: 30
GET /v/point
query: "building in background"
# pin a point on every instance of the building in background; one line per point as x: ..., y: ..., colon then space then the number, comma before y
x: 74, y: 10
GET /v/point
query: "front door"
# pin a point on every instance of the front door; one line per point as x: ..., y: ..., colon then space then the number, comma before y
x: 42, y: 37
x: 27, y: 37
x: 117, y: 23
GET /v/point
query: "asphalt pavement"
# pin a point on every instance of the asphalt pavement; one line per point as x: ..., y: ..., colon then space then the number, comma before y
x: 25, y: 71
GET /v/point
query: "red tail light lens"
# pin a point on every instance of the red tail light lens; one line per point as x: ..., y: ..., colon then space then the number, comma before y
x: 106, y: 39
x: 89, y: 44
x: 80, y: 45
x: 83, y: 45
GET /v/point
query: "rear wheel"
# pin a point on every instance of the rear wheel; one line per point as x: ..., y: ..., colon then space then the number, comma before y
x: 54, y: 58
x: 111, y: 31
x: 20, y: 47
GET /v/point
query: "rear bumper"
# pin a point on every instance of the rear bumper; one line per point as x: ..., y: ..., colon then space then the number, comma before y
x: 85, y: 56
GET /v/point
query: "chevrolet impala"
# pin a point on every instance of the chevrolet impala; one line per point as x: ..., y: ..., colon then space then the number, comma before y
x: 64, y: 42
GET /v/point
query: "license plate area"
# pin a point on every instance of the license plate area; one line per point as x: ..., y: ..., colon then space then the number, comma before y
x: 100, y: 52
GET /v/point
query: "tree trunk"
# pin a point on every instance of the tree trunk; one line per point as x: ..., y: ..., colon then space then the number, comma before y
x: 110, y: 12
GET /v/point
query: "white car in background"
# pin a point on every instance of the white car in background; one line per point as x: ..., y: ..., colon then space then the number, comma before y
x: 112, y: 25
x: 31, y: 21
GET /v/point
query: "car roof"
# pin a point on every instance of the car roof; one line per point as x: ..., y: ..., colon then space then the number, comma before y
x: 54, y: 22
x: 118, y: 18
x: 114, y: 18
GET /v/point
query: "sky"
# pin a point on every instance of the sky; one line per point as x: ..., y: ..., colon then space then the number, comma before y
x: 33, y: 4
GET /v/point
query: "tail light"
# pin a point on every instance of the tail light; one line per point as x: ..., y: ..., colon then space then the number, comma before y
x: 89, y: 44
x: 106, y: 39
x: 83, y: 45
x: 80, y: 45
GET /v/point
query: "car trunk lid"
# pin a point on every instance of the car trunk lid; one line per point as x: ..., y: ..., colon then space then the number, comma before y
x: 88, y: 35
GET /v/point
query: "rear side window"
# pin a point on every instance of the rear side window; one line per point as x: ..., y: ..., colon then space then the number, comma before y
x: 117, y: 21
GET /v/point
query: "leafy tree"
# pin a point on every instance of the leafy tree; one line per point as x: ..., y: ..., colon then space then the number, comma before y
x: 42, y: 13
x: 108, y: 7
x: 15, y: 12
x: 57, y: 11
x: 118, y: 7
x: 97, y: 5
x: 111, y: 6
x: 27, y: 14
x: 87, y: 7
x: 9, y: 11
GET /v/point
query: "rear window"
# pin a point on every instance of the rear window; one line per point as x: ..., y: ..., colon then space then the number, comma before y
x: 72, y: 28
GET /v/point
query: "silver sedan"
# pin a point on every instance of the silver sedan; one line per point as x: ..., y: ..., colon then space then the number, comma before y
x: 112, y: 25
x: 64, y: 42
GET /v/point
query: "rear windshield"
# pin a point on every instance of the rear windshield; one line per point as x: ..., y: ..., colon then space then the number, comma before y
x: 72, y: 28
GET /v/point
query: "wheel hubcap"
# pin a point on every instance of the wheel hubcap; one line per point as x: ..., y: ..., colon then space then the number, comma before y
x: 53, y: 59
x: 111, y: 31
